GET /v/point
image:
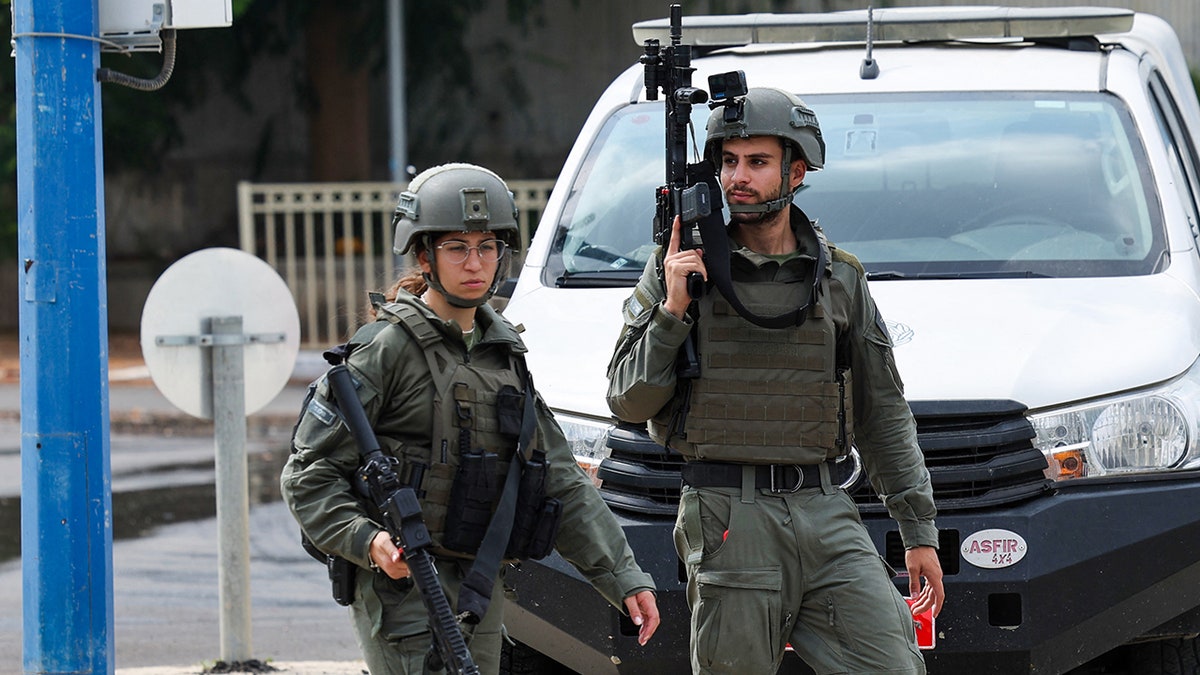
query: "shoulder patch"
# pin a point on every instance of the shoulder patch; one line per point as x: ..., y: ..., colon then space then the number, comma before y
x: 840, y: 255
x: 322, y: 413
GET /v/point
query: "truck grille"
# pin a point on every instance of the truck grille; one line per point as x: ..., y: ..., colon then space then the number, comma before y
x: 979, y: 454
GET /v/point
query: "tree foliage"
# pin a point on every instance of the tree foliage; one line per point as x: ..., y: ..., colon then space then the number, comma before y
x: 140, y: 128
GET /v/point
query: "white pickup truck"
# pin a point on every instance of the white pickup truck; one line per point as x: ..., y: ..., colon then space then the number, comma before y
x: 1023, y: 189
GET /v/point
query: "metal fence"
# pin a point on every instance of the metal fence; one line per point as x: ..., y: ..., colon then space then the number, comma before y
x: 332, y: 242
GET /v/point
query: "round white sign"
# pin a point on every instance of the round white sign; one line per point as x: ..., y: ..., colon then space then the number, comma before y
x: 215, y: 283
x: 993, y: 549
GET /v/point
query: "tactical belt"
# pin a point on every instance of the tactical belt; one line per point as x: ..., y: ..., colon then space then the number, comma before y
x: 778, y: 478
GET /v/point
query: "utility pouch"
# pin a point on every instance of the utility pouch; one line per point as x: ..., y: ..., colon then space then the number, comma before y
x: 545, y: 533
x: 510, y: 405
x: 535, y: 523
x: 471, y: 500
x: 341, y: 578
x: 341, y: 571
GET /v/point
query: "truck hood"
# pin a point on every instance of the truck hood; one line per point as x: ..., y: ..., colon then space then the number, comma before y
x: 1040, y: 342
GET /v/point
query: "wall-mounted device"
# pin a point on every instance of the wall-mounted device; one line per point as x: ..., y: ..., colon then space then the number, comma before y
x: 135, y: 25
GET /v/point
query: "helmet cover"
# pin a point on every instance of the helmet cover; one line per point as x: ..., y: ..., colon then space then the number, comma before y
x: 767, y: 111
x: 455, y: 198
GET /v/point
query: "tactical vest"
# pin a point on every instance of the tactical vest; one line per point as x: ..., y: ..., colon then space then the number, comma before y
x: 465, y: 415
x: 764, y: 396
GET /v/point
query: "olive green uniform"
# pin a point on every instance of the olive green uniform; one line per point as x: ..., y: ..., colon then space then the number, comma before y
x: 397, y: 391
x: 791, y: 567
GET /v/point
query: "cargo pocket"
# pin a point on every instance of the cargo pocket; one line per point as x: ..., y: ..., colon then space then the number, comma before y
x: 403, y: 611
x: 872, y: 623
x: 411, y: 653
x: 738, y: 620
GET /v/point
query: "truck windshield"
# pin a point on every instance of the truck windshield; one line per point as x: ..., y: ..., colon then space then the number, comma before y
x: 916, y: 186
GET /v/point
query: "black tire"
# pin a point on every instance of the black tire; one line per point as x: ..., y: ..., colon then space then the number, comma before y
x: 519, y: 659
x: 1178, y: 656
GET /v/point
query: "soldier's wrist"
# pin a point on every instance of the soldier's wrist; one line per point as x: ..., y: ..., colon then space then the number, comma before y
x: 680, y: 313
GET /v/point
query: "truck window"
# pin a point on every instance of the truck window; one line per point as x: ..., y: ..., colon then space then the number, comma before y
x: 1018, y: 184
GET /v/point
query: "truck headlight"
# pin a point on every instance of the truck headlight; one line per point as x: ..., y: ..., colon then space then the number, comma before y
x: 1149, y: 431
x: 587, y: 439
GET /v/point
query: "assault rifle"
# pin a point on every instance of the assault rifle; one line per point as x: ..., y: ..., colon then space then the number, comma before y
x: 692, y: 191
x: 401, y: 513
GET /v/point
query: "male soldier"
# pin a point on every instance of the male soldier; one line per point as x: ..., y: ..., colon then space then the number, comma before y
x: 775, y: 550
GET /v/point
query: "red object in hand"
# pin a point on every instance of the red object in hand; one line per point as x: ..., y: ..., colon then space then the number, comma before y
x: 924, y: 627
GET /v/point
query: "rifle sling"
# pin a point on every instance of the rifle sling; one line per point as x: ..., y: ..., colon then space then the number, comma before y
x: 717, y: 261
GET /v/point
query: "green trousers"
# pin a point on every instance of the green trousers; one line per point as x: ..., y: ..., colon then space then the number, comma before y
x: 393, y: 628
x: 767, y: 570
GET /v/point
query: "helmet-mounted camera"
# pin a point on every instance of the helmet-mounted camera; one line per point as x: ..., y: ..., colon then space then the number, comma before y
x: 727, y: 90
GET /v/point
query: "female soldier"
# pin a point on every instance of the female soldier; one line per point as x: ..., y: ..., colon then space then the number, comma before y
x: 431, y: 372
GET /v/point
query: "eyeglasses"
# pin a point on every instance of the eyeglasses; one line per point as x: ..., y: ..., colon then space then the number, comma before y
x: 457, y: 252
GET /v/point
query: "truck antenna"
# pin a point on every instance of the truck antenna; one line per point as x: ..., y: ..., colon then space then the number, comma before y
x: 870, y: 68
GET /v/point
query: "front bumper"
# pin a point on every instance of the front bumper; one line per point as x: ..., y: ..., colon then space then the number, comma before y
x: 1106, y: 563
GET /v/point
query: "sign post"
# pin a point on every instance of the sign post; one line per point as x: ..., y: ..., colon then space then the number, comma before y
x: 233, y: 487
x: 225, y: 294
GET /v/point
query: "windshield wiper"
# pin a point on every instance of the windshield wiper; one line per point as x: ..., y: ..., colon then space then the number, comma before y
x: 598, y: 279
x: 887, y: 275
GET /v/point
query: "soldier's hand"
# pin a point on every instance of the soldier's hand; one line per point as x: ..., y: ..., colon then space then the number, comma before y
x: 922, y: 562
x: 387, y: 557
x: 643, y: 610
x: 676, y: 267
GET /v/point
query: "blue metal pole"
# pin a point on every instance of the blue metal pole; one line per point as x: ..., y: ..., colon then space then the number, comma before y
x: 66, y: 494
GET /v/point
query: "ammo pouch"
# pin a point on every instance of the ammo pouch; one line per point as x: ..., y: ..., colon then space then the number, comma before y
x: 535, y: 520
x: 535, y: 523
x: 471, y: 500
x: 341, y: 572
x: 476, y: 487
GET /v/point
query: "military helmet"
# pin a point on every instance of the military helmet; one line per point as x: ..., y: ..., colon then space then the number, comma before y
x: 455, y: 198
x: 768, y: 111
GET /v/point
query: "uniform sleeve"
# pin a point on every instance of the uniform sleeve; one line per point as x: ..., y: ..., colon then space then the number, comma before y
x: 316, y: 481
x: 589, y: 536
x: 641, y: 374
x: 884, y: 430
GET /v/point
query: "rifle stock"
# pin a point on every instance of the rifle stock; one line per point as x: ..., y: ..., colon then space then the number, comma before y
x: 401, y: 513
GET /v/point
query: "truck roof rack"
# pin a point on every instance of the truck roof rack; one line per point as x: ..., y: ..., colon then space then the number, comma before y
x: 893, y: 24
